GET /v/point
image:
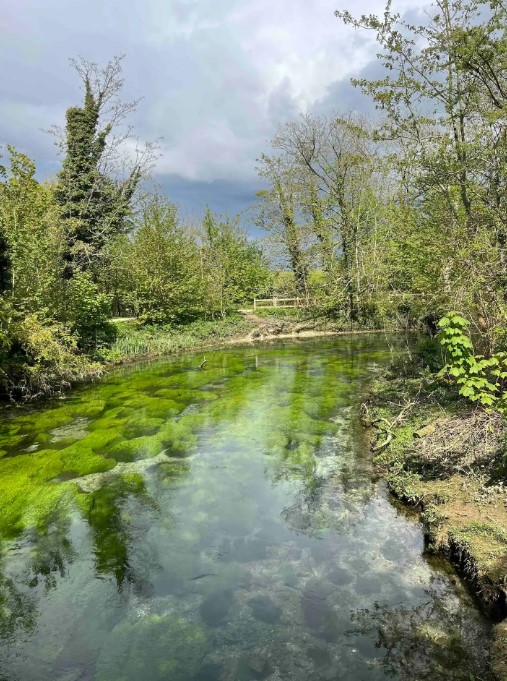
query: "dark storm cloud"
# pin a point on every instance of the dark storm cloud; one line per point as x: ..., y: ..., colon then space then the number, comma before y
x: 217, y: 78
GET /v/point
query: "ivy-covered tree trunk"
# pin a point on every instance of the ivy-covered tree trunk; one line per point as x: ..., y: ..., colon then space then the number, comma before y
x: 4, y: 263
x: 95, y: 205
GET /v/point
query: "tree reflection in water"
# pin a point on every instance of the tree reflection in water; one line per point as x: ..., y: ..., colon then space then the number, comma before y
x: 434, y: 641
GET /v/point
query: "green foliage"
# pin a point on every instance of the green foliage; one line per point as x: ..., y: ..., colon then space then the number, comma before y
x: 135, y: 340
x: 234, y: 269
x: 87, y: 312
x: 164, y: 260
x: 480, y: 379
x: 48, y: 358
x: 430, y: 354
x: 33, y: 237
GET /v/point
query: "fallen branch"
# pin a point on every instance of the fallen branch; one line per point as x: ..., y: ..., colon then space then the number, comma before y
x: 201, y: 365
x: 388, y: 428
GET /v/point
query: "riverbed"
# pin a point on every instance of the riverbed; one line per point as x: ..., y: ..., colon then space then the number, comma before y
x: 220, y: 523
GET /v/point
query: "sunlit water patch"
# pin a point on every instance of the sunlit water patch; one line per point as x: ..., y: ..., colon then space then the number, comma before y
x: 180, y: 524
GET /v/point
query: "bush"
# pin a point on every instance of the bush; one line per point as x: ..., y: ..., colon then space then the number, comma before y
x: 43, y: 358
x: 480, y: 379
x: 430, y: 354
x: 87, y: 313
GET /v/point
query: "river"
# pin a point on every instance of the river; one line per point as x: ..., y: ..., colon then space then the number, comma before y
x: 220, y: 524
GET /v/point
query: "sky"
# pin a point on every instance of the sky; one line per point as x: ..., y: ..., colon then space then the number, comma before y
x: 217, y: 78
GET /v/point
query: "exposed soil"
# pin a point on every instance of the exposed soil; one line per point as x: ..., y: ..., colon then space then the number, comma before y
x: 279, y: 328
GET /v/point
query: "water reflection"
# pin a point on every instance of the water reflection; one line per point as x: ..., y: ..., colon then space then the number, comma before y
x: 219, y: 524
x: 434, y: 640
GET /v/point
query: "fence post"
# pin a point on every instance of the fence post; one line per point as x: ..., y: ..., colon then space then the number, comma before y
x: 275, y: 302
x: 255, y: 303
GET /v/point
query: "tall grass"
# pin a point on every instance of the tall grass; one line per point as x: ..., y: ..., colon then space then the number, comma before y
x: 134, y: 340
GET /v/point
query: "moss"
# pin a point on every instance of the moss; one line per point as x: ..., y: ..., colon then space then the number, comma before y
x: 137, y: 426
x: 162, y: 408
x: 173, y: 470
x: 108, y: 423
x: 45, y: 420
x: 157, y: 647
x: 12, y: 442
x: 179, y: 436
x: 138, y: 448
x: 183, y: 396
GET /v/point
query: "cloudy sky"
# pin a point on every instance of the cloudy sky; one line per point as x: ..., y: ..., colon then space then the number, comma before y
x: 217, y: 77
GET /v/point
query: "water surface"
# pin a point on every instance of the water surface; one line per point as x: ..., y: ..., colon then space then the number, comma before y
x: 223, y: 524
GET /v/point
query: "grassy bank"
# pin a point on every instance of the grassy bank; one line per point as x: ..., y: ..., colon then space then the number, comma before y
x: 134, y: 341
x: 448, y: 458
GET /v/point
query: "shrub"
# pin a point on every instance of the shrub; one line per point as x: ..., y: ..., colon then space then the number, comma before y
x: 43, y: 359
x: 87, y: 313
x: 480, y: 379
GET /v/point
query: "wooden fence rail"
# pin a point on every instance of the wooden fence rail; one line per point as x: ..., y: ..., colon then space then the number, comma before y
x: 279, y: 302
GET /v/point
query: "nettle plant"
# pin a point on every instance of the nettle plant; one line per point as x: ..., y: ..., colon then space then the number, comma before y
x: 481, y: 379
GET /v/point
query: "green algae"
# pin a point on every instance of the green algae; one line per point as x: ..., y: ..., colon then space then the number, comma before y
x: 135, y: 449
x: 191, y: 524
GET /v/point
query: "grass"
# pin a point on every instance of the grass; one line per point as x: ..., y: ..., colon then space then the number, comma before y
x: 136, y: 341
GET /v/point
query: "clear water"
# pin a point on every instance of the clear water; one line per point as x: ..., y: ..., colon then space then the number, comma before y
x: 221, y: 524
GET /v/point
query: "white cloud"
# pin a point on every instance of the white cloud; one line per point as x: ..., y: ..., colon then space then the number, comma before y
x: 217, y: 77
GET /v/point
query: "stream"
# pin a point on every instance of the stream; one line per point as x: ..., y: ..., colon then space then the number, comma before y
x: 220, y: 524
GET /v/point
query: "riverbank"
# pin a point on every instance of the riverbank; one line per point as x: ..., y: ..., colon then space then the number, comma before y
x: 134, y: 342
x: 448, y: 459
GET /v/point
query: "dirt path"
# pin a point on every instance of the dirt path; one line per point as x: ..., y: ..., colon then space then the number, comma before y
x: 273, y: 328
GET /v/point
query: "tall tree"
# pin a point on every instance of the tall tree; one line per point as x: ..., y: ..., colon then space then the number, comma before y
x: 334, y: 163
x: 443, y: 99
x: 94, y: 189
x: 277, y: 213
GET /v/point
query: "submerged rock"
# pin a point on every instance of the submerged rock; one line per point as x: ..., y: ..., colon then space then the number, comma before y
x: 318, y: 613
x: 368, y: 585
x: 320, y: 655
x: 210, y: 671
x: 94, y: 481
x: 252, y: 667
x: 75, y: 430
x: 215, y: 608
x: 264, y: 609
x: 156, y: 647
x: 340, y: 576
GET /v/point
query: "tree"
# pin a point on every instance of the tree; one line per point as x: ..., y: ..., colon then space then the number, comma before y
x: 442, y: 100
x: 233, y: 269
x: 33, y: 238
x: 277, y: 213
x: 325, y: 174
x: 165, y: 265
x: 95, y: 190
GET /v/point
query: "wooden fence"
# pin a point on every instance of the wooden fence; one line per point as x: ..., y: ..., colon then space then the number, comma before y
x: 279, y: 302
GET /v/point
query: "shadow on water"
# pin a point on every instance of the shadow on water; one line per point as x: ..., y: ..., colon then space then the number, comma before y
x: 219, y: 525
